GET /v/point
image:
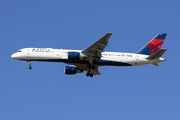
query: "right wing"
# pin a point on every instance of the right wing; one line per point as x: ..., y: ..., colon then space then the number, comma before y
x: 93, y: 52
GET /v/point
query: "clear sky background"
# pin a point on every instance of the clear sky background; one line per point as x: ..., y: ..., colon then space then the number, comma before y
x: 128, y: 93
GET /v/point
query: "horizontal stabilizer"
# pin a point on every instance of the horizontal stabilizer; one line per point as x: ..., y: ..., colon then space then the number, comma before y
x: 157, y: 54
x: 157, y: 64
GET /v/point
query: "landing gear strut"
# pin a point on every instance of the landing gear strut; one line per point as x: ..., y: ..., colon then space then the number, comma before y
x: 91, y: 66
x: 29, y: 63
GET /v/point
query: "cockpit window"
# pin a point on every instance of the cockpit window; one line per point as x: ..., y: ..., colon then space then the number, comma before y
x: 19, y: 51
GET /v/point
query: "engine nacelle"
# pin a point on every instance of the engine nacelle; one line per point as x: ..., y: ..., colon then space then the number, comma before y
x: 72, y: 70
x: 76, y: 56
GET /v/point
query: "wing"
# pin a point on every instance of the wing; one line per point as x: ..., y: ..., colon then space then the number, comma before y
x: 93, y: 52
x: 96, y: 48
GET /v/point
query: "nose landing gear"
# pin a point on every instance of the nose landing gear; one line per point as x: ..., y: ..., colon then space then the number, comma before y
x: 29, y: 63
x: 30, y: 67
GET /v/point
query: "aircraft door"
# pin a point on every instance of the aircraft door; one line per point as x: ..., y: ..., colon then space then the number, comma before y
x: 58, y: 53
x: 137, y: 58
x: 28, y: 51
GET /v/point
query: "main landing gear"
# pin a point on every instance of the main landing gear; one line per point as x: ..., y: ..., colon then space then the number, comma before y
x: 89, y: 69
x: 29, y: 63
x: 89, y: 74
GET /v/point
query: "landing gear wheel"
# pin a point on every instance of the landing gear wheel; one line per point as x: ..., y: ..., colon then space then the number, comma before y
x: 91, y: 75
x: 30, y: 67
x: 87, y: 74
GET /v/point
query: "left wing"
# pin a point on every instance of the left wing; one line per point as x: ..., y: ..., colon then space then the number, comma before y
x: 94, y: 51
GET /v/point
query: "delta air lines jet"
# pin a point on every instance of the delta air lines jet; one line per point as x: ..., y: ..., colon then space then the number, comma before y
x: 91, y: 58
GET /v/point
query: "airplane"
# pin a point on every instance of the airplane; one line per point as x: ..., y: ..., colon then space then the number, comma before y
x: 94, y: 56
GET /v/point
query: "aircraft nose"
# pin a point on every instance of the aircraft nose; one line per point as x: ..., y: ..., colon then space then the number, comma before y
x: 14, y: 56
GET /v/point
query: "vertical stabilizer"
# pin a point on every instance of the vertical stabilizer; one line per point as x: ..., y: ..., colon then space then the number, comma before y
x: 154, y: 45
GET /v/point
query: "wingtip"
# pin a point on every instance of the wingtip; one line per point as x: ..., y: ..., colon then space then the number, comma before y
x: 110, y: 33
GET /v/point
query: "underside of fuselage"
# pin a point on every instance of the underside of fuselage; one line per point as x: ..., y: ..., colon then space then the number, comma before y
x: 101, y: 63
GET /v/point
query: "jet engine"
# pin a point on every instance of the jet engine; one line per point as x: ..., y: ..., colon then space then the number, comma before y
x: 76, y: 56
x: 72, y: 70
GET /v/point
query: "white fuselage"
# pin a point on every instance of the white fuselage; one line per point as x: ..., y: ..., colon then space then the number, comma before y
x: 61, y: 55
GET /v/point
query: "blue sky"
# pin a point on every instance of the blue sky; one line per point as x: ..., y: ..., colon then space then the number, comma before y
x: 45, y: 92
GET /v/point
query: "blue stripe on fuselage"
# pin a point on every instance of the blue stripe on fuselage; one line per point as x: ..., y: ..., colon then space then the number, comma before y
x: 101, y: 63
